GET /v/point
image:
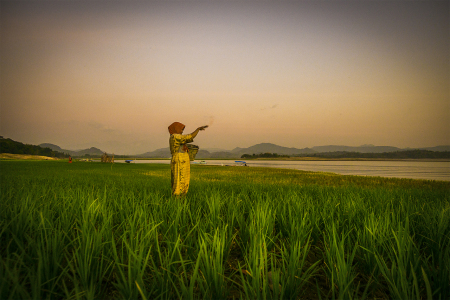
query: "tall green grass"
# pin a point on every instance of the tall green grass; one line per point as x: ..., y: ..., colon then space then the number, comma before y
x: 102, y: 231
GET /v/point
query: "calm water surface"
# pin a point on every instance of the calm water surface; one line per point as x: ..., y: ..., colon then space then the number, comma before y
x: 432, y: 170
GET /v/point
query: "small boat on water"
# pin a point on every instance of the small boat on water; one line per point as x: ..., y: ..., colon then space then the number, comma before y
x: 128, y: 161
x: 240, y: 163
x: 199, y: 162
x: 237, y: 163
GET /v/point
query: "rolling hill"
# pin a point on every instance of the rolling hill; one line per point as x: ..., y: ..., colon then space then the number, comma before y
x: 270, y: 148
x: 75, y: 153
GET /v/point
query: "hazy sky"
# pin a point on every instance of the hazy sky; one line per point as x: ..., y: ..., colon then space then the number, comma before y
x: 116, y: 74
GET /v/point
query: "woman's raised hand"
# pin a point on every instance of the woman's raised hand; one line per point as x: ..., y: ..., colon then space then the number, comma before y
x: 203, y: 127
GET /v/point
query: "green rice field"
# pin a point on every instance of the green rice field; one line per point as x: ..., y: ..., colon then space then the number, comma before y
x: 113, y: 231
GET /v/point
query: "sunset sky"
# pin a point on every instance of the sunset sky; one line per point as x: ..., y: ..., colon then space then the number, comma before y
x: 115, y: 74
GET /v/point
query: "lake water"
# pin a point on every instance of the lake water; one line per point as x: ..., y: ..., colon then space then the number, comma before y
x: 432, y: 170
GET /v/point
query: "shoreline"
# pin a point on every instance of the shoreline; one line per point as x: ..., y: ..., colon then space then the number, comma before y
x: 306, y: 159
x: 9, y: 156
x: 354, y: 159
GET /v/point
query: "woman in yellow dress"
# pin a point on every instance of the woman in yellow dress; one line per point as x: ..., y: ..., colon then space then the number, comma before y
x: 180, y: 164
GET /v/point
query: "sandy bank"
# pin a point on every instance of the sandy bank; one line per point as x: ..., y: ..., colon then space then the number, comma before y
x: 25, y: 156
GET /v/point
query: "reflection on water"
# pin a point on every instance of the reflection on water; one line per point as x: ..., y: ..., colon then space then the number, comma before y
x: 433, y: 170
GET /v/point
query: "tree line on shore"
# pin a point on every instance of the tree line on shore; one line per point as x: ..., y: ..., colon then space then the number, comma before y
x: 13, y: 147
x: 407, y: 154
x: 264, y: 155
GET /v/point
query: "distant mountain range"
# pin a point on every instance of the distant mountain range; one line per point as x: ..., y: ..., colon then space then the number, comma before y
x: 272, y: 148
x: 255, y: 149
x: 91, y: 151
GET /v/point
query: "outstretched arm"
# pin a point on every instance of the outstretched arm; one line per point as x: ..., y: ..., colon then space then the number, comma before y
x: 194, y: 134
